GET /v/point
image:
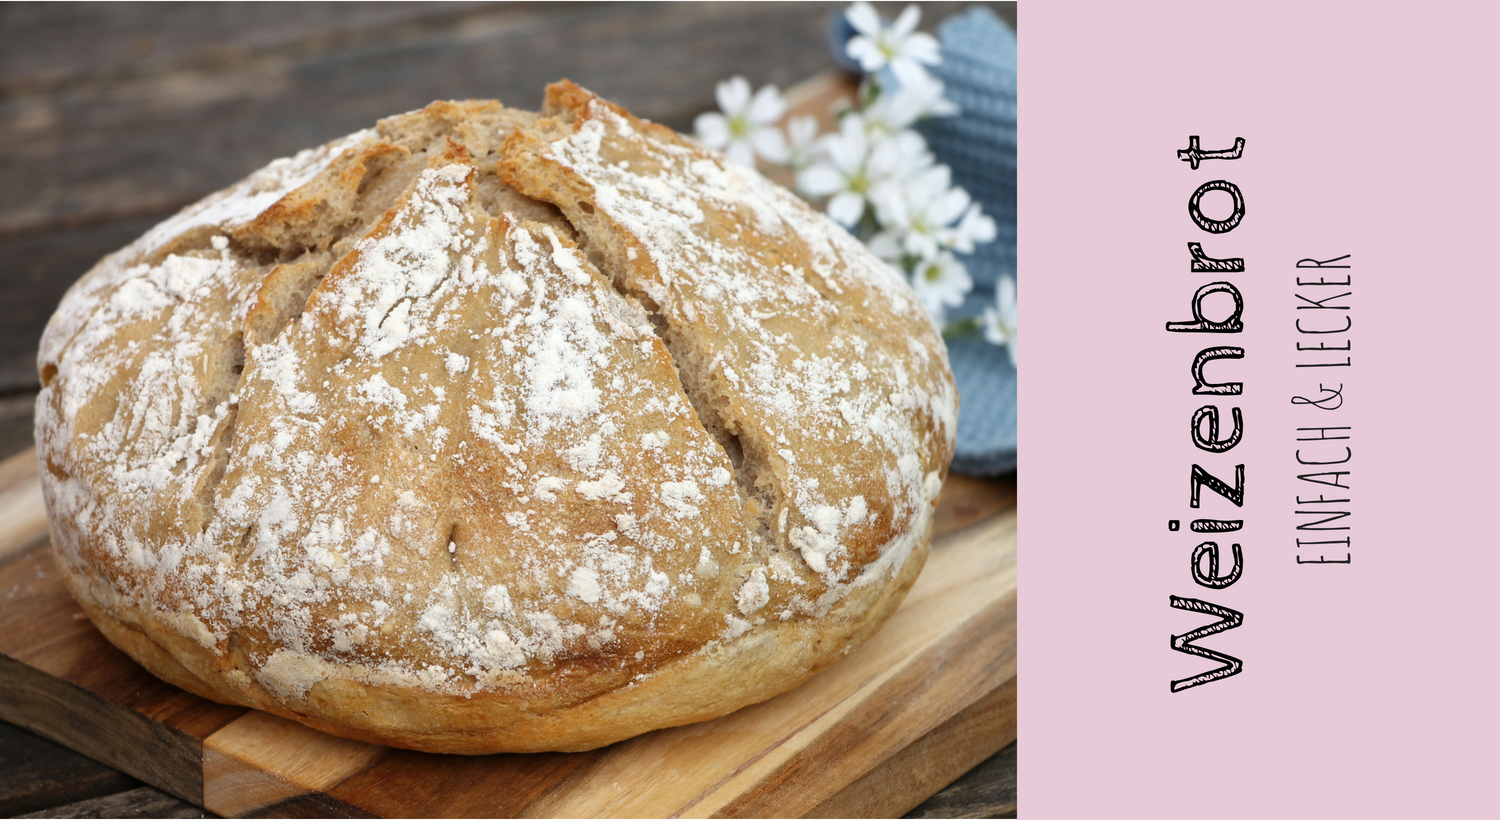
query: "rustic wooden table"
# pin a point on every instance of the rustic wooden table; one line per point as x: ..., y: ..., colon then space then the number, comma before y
x: 114, y: 116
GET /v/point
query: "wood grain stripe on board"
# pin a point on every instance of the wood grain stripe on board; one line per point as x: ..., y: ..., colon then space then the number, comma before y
x: 934, y: 760
x: 425, y: 785
x: 23, y: 516
x: 102, y: 729
x: 966, y: 501
x: 261, y: 760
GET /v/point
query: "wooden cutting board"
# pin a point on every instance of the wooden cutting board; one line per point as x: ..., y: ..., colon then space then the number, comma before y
x: 931, y: 695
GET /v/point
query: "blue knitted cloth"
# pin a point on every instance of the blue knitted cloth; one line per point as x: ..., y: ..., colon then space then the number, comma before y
x: 979, y: 145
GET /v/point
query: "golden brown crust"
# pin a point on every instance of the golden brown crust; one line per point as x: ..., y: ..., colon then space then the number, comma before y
x: 425, y: 438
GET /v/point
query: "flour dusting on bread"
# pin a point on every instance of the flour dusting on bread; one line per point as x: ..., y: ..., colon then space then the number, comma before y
x: 485, y: 430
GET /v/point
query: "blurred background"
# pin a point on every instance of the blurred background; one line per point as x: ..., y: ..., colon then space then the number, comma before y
x: 114, y: 116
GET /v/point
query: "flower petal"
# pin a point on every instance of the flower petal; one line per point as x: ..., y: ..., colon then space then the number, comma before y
x: 993, y: 333
x: 976, y: 226
x: 740, y: 152
x: 867, y: 52
x: 733, y: 95
x: 949, y: 206
x: 767, y: 107
x: 915, y: 156
x: 820, y: 180
x: 802, y: 130
x: 852, y: 126
x: 1005, y: 298
x: 770, y: 143
x: 848, y: 149
x: 1000, y: 320
x: 886, y: 161
x: 907, y: 22
x: 921, y: 245
x: 889, y: 200
x: 846, y: 208
x: 863, y: 17
x: 923, y: 189
x: 907, y: 108
x: 956, y: 281
x: 942, y: 107
x: 923, y: 48
x: 907, y: 70
x: 924, y: 94
x: 712, y: 129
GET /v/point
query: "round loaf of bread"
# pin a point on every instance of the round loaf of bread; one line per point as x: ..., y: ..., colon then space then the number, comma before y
x: 487, y: 430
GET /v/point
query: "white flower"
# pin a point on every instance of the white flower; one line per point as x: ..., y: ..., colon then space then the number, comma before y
x: 901, y: 46
x: 1000, y: 320
x: 914, y: 158
x: 748, y: 125
x: 802, y: 142
x: 920, y: 210
x: 853, y: 169
x: 894, y: 112
x: 941, y: 283
x: 973, y: 229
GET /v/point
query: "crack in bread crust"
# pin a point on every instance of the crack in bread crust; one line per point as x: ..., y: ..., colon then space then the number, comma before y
x: 408, y: 440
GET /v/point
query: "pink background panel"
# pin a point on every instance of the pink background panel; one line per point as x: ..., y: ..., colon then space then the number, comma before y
x: 1367, y: 688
